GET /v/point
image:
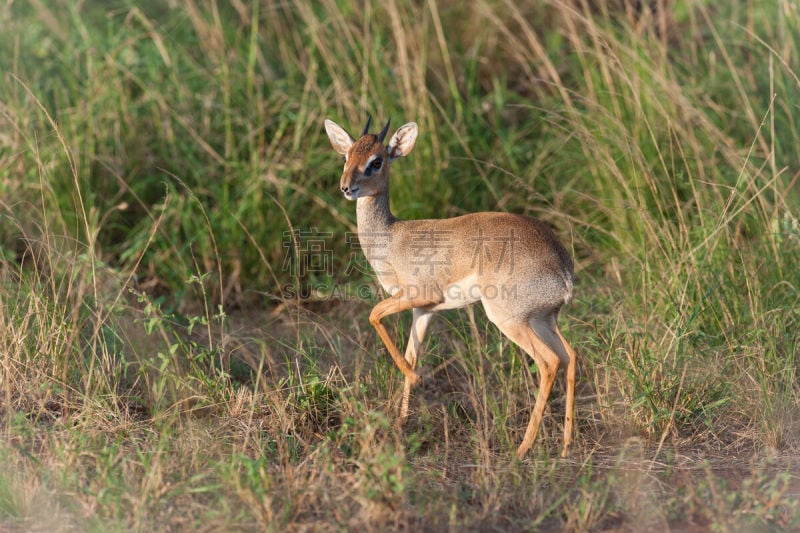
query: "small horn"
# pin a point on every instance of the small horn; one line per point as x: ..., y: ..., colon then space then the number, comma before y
x: 383, y: 132
x: 366, y: 128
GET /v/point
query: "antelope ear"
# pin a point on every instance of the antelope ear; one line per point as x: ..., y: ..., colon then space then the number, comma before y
x: 403, y: 141
x: 340, y: 139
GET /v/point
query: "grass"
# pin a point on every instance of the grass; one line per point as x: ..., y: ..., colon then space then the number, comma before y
x: 174, y: 358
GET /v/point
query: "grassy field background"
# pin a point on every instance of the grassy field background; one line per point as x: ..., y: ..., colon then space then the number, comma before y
x: 171, y: 360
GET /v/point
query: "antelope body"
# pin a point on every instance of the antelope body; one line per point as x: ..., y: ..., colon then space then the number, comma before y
x: 513, y: 264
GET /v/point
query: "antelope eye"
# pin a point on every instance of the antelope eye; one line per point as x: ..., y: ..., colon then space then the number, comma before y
x: 376, y: 163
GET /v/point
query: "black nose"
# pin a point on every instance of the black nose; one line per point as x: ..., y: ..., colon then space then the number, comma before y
x: 344, y: 189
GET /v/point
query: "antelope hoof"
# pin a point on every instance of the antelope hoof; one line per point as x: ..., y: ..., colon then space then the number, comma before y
x: 521, y: 451
x: 401, y: 421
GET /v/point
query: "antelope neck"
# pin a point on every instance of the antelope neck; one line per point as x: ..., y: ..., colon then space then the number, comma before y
x: 373, y: 214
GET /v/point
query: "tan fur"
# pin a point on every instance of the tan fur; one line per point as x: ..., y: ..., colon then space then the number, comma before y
x: 513, y: 264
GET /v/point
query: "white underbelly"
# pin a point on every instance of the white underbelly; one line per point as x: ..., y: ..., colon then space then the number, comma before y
x: 460, y: 294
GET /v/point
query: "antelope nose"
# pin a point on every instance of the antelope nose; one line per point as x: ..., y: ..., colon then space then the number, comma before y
x: 345, y: 188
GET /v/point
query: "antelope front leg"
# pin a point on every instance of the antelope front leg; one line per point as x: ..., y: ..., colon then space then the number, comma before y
x: 394, y: 304
x: 419, y: 324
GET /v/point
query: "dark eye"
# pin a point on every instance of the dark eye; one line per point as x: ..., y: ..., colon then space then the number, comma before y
x: 376, y: 163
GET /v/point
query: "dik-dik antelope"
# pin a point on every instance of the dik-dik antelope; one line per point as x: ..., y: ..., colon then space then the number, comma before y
x: 513, y: 264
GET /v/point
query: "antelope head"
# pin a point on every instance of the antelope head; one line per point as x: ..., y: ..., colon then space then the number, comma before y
x: 366, y: 159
